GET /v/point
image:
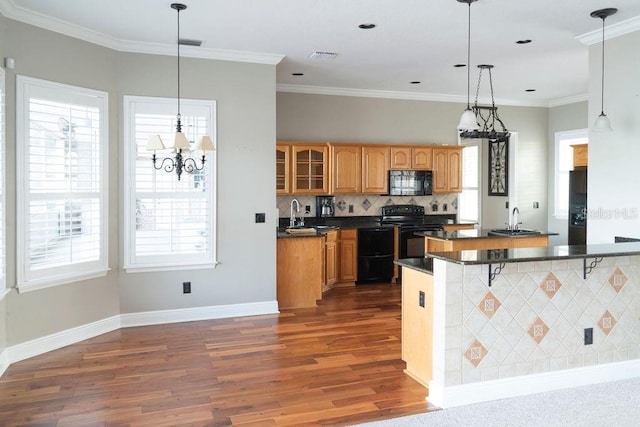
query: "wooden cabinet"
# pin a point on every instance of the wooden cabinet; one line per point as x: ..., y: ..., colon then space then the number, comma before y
x: 412, y: 158
x: 348, y: 255
x: 346, y: 175
x: 580, y: 155
x: 455, y: 227
x: 299, y: 271
x: 331, y: 259
x: 375, y: 169
x: 417, y: 324
x: 309, y: 169
x: 434, y: 244
x: 283, y: 169
x: 447, y: 169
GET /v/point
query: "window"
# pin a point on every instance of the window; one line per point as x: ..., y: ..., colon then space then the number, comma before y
x: 3, y: 228
x: 168, y: 222
x: 62, y: 192
x: 564, y: 164
x: 469, y: 199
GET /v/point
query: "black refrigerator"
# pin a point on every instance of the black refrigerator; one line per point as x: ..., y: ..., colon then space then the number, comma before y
x: 578, y: 206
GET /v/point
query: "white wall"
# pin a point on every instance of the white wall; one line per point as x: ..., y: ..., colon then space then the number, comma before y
x: 245, y: 95
x: 614, y: 176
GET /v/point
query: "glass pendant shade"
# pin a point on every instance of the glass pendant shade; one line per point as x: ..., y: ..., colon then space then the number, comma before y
x: 602, y: 124
x: 468, y: 120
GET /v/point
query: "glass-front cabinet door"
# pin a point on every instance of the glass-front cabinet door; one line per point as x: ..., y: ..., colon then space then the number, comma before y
x: 283, y: 169
x: 310, y: 171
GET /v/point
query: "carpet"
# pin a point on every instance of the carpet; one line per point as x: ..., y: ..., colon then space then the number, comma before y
x: 612, y: 404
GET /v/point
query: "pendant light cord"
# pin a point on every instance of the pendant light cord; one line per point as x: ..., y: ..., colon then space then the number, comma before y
x: 469, y: 56
x: 179, y: 125
x: 602, y: 86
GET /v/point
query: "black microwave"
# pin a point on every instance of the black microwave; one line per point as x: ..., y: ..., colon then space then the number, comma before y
x: 410, y: 183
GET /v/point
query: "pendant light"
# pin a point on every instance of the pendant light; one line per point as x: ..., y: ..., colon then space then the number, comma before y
x: 602, y: 123
x: 468, y: 120
x: 179, y: 143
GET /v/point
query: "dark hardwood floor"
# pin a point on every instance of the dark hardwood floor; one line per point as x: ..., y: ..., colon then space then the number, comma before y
x: 337, y: 364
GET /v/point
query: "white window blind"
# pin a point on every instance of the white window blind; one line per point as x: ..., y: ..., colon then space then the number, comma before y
x: 169, y: 222
x: 62, y: 183
x: 3, y: 208
x: 469, y: 199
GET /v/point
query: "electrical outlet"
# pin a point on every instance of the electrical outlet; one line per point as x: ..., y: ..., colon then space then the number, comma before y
x: 588, y: 336
x: 307, y: 209
x: 444, y: 207
x: 506, y: 205
x: 421, y: 299
x: 536, y: 205
x: 260, y: 217
x: 350, y: 208
x: 186, y: 287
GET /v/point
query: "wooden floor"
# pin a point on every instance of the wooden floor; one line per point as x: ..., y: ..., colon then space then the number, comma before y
x: 337, y: 364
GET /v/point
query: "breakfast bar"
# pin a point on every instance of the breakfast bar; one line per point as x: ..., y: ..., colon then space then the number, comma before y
x: 481, y: 325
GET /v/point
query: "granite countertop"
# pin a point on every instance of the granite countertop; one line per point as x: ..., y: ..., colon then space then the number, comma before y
x: 477, y: 234
x: 424, y: 265
x: 549, y: 253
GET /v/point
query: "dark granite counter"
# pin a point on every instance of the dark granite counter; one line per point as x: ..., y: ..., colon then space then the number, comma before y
x: 550, y: 253
x: 361, y: 221
x: 477, y: 234
x: 424, y: 265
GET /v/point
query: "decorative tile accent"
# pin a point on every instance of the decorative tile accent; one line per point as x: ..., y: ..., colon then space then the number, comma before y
x: 617, y: 279
x: 489, y: 305
x: 550, y: 285
x: 475, y: 353
x: 412, y: 201
x: 388, y: 202
x: 341, y: 205
x: 366, y: 204
x: 538, y: 330
x: 607, y: 322
x: 454, y: 203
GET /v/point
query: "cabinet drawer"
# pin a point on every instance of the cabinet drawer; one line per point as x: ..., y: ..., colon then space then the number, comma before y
x: 350, y: 233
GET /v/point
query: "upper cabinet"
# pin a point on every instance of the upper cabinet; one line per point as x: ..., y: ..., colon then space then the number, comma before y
x: 447, y: 169
x: 351, y: 168
x: 346, y: 173
x: 283, y: 169
x: 375, y: 169
x: 580, y: 155
x: 420, y: 158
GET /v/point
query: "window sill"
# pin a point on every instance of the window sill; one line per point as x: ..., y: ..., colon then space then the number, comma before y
x: 39, y: 284
x: 157, y: 268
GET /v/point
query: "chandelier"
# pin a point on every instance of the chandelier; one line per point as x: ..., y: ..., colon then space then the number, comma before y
x: 486, y: 117
x: 179, y: 143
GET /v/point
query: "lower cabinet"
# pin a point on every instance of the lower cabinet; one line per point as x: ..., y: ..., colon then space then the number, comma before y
x: 299, y: 271
x: 331, y: 258
x: 347, y: 255
x: 417, y: 324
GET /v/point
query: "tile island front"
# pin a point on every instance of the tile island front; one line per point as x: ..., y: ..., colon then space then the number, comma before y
x: 481, y: 325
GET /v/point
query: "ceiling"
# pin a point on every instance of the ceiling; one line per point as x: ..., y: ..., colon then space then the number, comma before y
x: 414, y: 40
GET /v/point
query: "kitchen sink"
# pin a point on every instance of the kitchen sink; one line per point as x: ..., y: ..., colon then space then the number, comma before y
x: 508, y: 232
x: 325, y: 227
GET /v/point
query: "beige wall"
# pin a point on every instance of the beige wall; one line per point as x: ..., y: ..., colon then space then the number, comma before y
x: 245, y: 94
x: 3, y: 304
x: 340, y: 118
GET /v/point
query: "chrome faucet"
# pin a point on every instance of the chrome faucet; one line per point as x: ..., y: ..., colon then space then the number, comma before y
x: 292, y: 217
x: 514, y: 218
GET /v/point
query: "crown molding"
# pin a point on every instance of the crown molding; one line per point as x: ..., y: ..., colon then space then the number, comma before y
x: 414, y: 96
x: 9, y: 9
x: 568, y: 100
x: 612, y: 31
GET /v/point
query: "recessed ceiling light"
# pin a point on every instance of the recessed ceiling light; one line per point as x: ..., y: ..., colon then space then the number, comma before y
x: 525, y: 41
x: 529, y: 90
x: 321, y: 54
x: 415, y: 82
x: 366, y: 26
x: 460, y: 65
x: 297, y: 74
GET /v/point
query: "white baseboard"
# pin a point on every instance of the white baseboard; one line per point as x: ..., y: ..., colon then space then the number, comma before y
x: 467, y: 394
x: 63, y: 338
x: 198, y: 313
x: 4, y: 361
x: 70, y: 336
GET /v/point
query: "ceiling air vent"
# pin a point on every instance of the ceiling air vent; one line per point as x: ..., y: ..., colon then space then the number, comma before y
x: 318, y: 54
x: 190, y: 42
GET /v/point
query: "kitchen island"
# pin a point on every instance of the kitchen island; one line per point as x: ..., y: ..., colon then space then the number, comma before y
x: 489, y: 324
x: 459, y: 240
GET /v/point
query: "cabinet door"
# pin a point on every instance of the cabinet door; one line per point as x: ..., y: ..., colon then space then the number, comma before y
x: 400, y: 158
x: 283, y: 172
x: 455, y: 170
x: 309, y: 170
x: 346, y: 165
x: 440, y: 170
x: 348, y: 255
x: 331, y: 267
x: 580, y: 155
x: 422, y: 158
x: 375, y: 170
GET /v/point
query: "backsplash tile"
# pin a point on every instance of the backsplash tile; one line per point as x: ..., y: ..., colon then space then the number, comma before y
x: 371, y: 204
